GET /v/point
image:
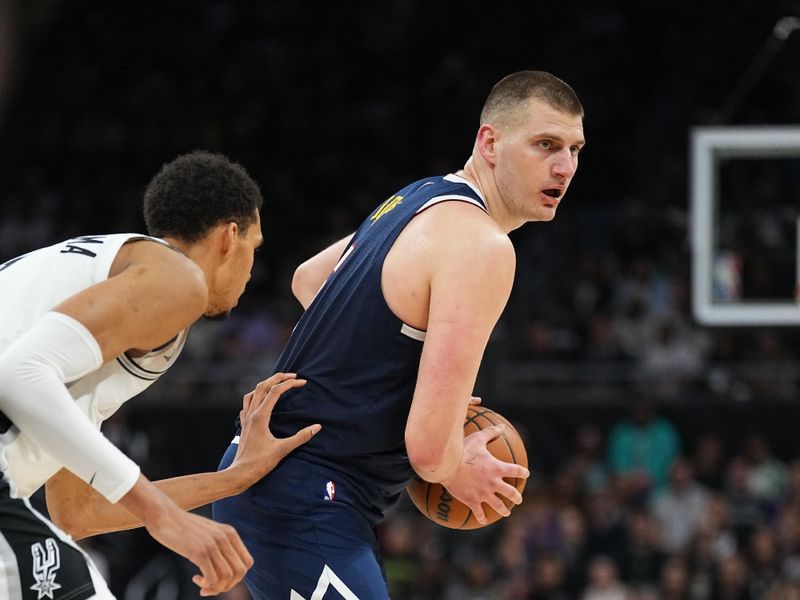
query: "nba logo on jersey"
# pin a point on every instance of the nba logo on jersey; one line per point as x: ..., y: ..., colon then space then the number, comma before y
x: 330, y: 491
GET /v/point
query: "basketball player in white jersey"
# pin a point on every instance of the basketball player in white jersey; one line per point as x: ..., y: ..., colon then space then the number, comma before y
x: 87, y: 324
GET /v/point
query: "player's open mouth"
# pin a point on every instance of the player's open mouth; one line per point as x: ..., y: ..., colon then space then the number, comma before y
x: 552, y: 192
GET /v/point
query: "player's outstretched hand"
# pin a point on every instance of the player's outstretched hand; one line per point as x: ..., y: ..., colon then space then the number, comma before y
x: 479, y: 477
x: 214, y: 548
x: 259, y: 451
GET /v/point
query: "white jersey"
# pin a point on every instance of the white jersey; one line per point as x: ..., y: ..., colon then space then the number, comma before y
x: 33, y: 284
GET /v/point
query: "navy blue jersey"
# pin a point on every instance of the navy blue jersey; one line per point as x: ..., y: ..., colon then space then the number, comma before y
x: 361, y: 360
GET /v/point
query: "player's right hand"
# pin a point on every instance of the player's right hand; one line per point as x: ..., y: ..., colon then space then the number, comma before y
x: 214, y: 548
x: 479, y: 477
x: 259, y: 451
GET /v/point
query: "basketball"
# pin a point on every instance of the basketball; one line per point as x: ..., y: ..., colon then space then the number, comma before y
x: 432, y: 499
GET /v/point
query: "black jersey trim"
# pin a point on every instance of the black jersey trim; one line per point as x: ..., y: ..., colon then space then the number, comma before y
x: 132, y: 372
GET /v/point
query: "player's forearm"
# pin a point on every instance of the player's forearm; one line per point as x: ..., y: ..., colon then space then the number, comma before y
x: 86, y: 513
x: 33, y: 370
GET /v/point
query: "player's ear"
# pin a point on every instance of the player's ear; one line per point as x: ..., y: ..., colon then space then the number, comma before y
x: 229, y: 234
x: 486, y: 142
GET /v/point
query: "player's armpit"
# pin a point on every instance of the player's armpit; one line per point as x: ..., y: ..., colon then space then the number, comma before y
x: 155, y: 296
x: 471, y: 280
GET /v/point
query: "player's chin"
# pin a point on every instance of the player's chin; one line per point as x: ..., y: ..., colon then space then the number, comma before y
x: 547, y: 213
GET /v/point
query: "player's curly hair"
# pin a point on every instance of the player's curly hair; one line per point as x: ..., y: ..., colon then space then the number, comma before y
x: 512, y: 91
x: 197, y: 191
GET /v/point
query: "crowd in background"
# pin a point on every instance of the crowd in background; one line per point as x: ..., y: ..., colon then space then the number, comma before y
x: 332, y: 113
x: 633, y: 510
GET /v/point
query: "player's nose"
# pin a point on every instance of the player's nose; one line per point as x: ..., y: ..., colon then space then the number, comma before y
x: 564, y: 165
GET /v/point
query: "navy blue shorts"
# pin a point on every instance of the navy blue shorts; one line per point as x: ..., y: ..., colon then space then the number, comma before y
x: 308, y: 539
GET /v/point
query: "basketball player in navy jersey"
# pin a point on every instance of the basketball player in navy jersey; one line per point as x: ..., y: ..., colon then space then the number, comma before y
x: 398, y: 317
x: 88, y: 323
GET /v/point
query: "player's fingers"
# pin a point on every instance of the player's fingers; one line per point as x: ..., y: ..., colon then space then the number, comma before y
x: 244, y: 555
x: 263, y: 387
x: 246, y: 400
x: 512, y: 470
x: 509, y: 491
x: 478, y: 513
x: 208, y: 574
x: 490, y: 433
x: 497, y: 504
x: 276, y: 391
x: 474, y: 400
x: 237, y: 557
x: 275, y: 379
x: 228, y: 566
x: 299, y: 438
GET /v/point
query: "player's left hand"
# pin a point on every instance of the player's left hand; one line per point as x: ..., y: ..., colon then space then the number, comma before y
x: 259, y: 451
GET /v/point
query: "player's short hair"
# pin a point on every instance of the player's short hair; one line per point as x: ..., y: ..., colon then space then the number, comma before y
x: 513, y: 91
x: 196, y: 191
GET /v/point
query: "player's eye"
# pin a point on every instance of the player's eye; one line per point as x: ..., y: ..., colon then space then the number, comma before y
x: 545, y: 144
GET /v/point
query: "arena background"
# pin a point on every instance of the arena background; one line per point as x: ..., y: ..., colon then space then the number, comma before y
x: 332, y: 107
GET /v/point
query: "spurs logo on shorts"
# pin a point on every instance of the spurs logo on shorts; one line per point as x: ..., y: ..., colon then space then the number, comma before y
x: 46, y: 561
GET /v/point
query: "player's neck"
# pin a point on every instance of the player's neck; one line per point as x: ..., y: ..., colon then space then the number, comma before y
x: 484, y: 181
x: 199, y: 253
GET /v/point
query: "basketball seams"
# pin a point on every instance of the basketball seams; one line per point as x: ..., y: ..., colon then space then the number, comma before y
x: 428, y: 499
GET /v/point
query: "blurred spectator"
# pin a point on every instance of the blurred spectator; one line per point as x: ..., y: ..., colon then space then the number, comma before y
x: 731, y: 580
x: 574, y: 548
x: 709, y: 460
x: 601, y: 343
x: 604, y: 582
x: 680, y: 508
x: 474, y: 580
x: 400, y: 558
x: 641, y: 560
x: 606, y: 531
x: 764, y: 560
x: 745, y: 509
x: 587, y: 460
x: 641, y: 449
x: 633, y: 327
x: 543, y: 532
x: 767, y: 478
x: 674, y: 580
x: 548, y: 578
x: 674, y: 358
x: 784, y: 590
x: 769, y: 375
x: 702, y: 565
x: 716, y: 525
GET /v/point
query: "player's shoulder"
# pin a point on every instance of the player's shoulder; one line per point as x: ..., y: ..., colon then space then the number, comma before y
x: 464, y: 226
x: 164, y: 265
